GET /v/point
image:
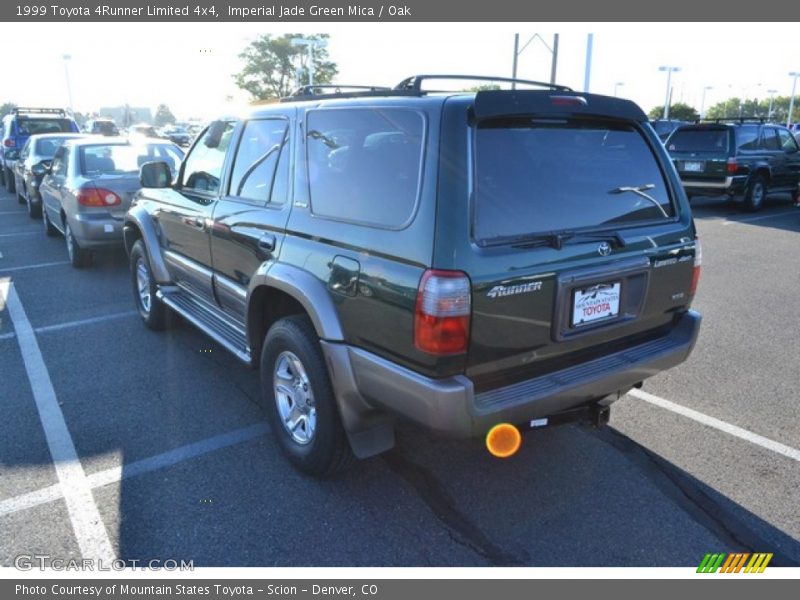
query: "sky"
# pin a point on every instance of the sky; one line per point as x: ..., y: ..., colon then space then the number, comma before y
x: 189, y: 66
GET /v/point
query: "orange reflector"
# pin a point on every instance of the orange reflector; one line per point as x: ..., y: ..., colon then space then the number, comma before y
x: 503, y: 440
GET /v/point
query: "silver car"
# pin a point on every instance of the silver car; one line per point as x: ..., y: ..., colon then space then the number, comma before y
x: 32, y: 164
x: 89, y: 187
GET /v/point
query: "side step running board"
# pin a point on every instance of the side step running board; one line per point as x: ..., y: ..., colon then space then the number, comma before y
x: 209, y: 320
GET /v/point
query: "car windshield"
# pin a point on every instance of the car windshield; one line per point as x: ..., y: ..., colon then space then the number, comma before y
x: 27, y: 126
x: 536, y: 177
x: 120, y: 159
x: 698, y: 140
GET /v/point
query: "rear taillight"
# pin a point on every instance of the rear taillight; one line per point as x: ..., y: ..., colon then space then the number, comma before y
x: 568, y: 101
x: 441, y: 321
x: 9, y: 142
x: 698, y: 260
x: 92, y: 196
x: 732, y: 166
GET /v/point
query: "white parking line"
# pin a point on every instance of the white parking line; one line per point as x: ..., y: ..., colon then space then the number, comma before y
x: 89, y: 321
x: 7, y: 336
x: 34, y: 266
x: 140, y: 467
x: 762, y: 217
x: 715, y: 423
x: 90, y: 532
x: 18, y: 233
x: 13, y: 212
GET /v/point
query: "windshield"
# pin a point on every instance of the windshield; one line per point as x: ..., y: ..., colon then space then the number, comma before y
x: 544, y: 176
x: 698, y: 140
x: 120, y: 159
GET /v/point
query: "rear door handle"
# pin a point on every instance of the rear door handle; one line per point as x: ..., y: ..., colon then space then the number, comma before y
x: 198, y: 222
x: 267, y: 242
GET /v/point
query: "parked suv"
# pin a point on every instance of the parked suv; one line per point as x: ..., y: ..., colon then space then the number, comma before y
x: 745, y: 160
x: 105, y: 127
x: 22, y: 123
x: 457, y: 259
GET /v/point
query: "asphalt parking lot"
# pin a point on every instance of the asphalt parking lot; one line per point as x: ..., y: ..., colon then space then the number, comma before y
x: 174, y: 459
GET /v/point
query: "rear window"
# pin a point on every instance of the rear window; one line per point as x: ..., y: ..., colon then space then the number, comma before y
x: 36, y: 126
x: 47, y: 147
x: 364, y: 164
x: 120, y: 159
x: 542, y: 176
x: 698, y: 140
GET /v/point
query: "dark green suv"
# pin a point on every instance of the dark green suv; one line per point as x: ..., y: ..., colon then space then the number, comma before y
x: 744, y: 160
x: 458, y: 259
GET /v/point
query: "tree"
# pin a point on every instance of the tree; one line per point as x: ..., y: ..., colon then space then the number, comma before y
x: 269, y: 66
x: 6, y: 108
x: 163, y: 116
x: 678, y: 111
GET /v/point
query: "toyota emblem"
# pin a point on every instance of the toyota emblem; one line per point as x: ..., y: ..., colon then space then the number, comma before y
x: 604, y: 249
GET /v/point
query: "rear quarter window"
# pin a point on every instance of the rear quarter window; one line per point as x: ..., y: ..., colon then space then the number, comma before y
x: 540, y: 176
x: 364, y: 164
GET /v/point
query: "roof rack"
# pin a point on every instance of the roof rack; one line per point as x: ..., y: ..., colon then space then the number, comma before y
x: 734, y: 120
x: 415, y: 83
x: 39, y: 111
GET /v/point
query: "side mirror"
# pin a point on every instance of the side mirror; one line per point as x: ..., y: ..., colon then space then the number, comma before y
x: 214, y: 134
x: 155, y: 175
x: 41, y: 169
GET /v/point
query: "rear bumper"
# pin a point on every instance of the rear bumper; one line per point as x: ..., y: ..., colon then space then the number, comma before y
x: 96, y: 230
x: 451, y: 406
x: 729, y: 185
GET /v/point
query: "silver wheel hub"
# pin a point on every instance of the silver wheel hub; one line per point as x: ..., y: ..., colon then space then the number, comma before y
x: 294, y: 398
x: 143, y: 285
x: 758, y: 194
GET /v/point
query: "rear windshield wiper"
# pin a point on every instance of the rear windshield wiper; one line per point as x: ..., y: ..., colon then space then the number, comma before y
x: 640, y: 191
x: 556, y: 239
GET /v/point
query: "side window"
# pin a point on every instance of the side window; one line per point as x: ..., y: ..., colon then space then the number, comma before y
x: 59, y: 168
x: 747, y: 137
x: 769, y: 139
x: 364, y: 164
x: 203, y: 165
x: 787, y: 140
x: 258, y: 155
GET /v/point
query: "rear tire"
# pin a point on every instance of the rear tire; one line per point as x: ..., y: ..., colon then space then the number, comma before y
x: 79, y: 257
x: 49, y: 229
x: 299, y: 399
x: 755, y: 194
x: 10, y: 187
x: 34, y: 210
x: 153, y: 312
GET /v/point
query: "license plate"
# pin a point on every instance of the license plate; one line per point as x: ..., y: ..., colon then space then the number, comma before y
x: 595, y: 303
x: 693, y: 167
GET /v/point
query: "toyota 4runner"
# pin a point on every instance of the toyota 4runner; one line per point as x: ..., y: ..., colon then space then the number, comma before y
x: 458, y: 259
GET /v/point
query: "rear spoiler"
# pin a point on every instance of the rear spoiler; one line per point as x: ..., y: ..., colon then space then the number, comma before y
x: 519, y: 103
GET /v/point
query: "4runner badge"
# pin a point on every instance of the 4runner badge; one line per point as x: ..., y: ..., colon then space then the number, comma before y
x: 510, y: 290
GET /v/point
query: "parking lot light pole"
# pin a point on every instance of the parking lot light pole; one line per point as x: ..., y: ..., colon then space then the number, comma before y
x: 617, y: 86
x: 670, y: 71
x: 517, y: 51
x: 67, y: 58
x: 794, y: 75
x: 310, y: 44
x: 771, y: 102
x: 703, y: 101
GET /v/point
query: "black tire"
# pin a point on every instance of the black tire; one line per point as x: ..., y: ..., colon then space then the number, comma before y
x: 49, y: 228
x: 327, y: 452
x: 756, y: 194
x: 10, y: 187
x: 155, y: 316
x: 34, y: 210
x: 79, y: 257
x: 21, y: 198
x: 2, y: 175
